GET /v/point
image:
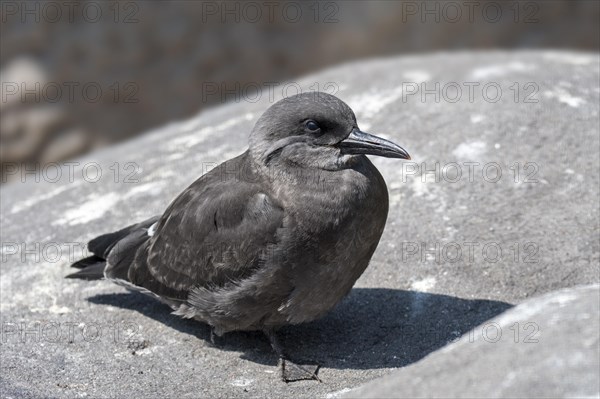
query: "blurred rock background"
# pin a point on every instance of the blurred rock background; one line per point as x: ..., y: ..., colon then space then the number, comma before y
x: 79, y: 75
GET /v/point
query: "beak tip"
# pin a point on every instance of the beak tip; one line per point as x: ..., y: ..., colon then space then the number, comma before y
x: 359, y: 142
x: 402, y: 153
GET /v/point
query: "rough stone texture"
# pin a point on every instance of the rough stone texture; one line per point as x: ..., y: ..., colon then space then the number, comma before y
x: 404, y: 307
x: 546, y: 347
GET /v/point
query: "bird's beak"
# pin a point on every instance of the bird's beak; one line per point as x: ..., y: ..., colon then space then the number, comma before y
x: 364, y: 143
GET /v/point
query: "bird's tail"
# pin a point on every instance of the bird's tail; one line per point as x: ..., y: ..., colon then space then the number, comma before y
x: 92, y: 267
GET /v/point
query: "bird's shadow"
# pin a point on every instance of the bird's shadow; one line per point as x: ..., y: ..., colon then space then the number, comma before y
x: 371, y: 328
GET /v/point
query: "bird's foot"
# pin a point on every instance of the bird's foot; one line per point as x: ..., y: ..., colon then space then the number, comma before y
x: 291, y: 371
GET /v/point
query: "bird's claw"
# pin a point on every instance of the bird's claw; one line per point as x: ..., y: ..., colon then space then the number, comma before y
x: 291, y: 371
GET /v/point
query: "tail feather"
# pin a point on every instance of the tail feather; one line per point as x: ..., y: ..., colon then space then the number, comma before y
x: 86, y: 262
x: 123, y: 254
x: 92, y: 272
x: 93, y: 267
x: 102, y: 245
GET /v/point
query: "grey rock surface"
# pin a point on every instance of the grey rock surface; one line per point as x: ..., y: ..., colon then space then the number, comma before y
x: 437, y: 273
x: 546, y: 347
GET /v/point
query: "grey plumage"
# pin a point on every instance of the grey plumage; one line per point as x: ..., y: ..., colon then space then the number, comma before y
x: 275, y: 236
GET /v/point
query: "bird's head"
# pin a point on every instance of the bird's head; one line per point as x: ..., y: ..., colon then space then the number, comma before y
x: 317, y: 130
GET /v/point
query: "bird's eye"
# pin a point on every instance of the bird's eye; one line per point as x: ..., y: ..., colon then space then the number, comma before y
x: 312, y: 126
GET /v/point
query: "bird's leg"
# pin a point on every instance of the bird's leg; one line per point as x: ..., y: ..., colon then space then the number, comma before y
x: 291, y: 371
x: 215, y: 339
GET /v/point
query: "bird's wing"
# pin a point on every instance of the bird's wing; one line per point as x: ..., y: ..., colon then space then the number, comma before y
x: 217, y: 231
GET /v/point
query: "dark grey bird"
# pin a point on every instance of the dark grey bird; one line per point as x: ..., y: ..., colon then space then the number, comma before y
x: 275, y: 236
